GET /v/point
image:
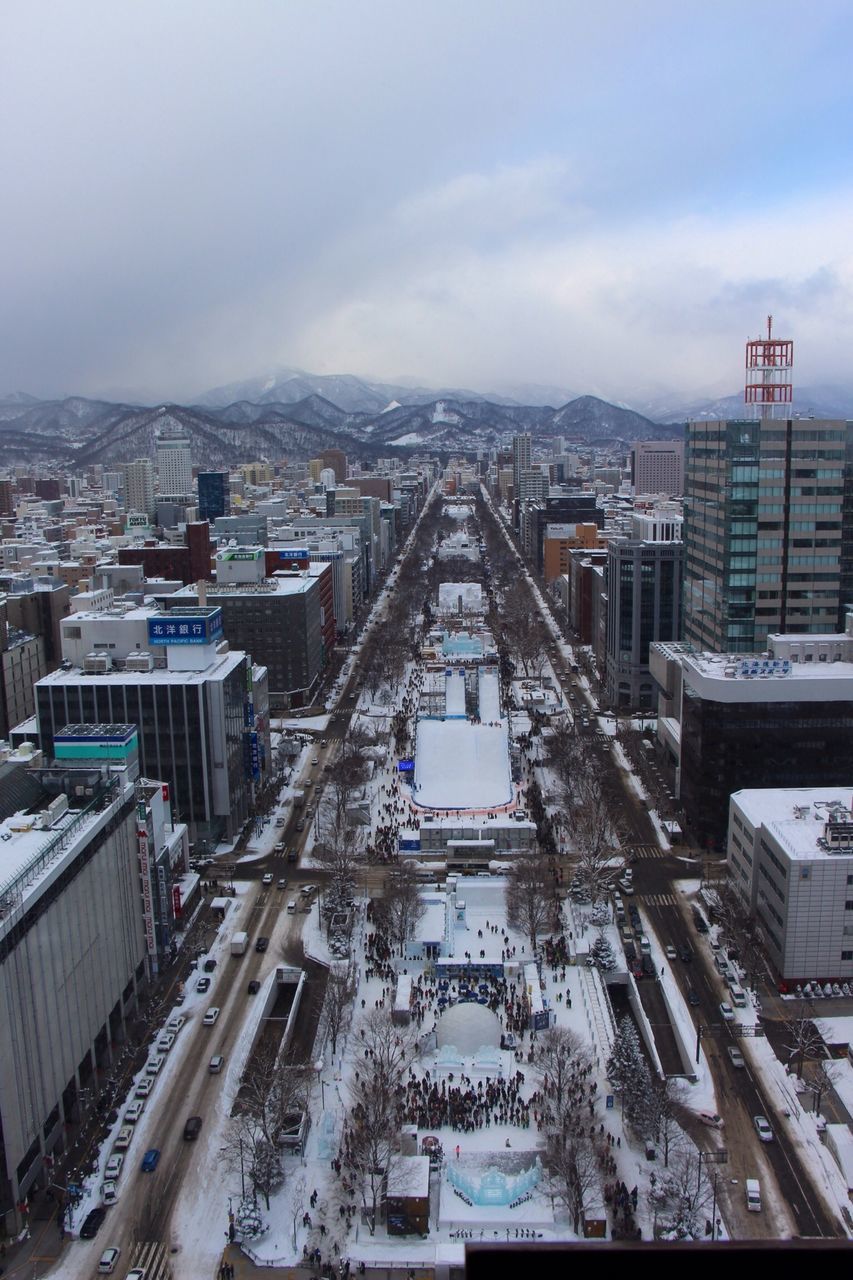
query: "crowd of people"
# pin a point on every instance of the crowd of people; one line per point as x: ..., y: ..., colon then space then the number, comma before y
x: 464, y: 1107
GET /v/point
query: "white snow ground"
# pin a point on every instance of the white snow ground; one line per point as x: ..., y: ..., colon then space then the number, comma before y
x: 461, y: 765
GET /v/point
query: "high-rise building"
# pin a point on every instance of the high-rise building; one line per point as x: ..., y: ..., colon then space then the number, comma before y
x: 174, y: 464
x: 139, y: 487
x: 214, y: 495
x: 657, y: 466
x: 643, y: 605
x: 337, y: 460
x: 762, y: 530
x: 521, y: 459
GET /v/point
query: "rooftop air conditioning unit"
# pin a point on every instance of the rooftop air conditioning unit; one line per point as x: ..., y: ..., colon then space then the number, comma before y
x: 97, y: 663
x: 141, y: 661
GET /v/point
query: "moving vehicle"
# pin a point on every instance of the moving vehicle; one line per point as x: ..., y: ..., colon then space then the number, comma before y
x: 711, y: 1119
x: 108, y: 1260
x: 762, y: 1128
x: 753, y: 1195
x: 291, y: 907
x: 262, y: 944
x: 192, y: 1128
x: 686, y: 955
x: 300, y: 826
x: 92, y: 1222
x: 315, y: 760
x: 210, y: 1017
x: 217, y: 1062
x: 735, y: 1055
x: 254, y: 987
x: 267, y: 879
x: 692, y: 997
x: 670, y: 952
x: 727, y: 1011
x: 282, y: 884
x: 150, y: 1160
x: 239, y: 943
x: 292, y: 854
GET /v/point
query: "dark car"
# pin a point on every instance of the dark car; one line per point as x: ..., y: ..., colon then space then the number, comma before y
x: 648, y: 968
x: 192, y: 1128
x: 686, y: 954
x: 262, y: 944
x: 150, y: 1160
x: 630, y: 952
x: 692, y: 997
x: 203, y: 985
x: 699, y: 921
x: 637, y: 969
x: 209, y: 964
x: 254, y: 987
x: 91, y: 1223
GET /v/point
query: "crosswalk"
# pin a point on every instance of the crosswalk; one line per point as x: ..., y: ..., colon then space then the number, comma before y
x: 644, y: 851
x: 659, y: 899
x: 152, y: 1259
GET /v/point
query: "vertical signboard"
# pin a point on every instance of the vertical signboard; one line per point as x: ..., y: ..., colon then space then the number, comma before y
x: 147, y: 886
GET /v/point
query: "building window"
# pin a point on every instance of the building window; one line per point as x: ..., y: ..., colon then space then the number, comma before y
x: 847, y: 955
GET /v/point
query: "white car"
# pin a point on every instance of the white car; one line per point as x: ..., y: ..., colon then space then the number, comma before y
x: 762, y: 1128
x: 107, y: 1263
x: 165, y: 1040
x: 670, y: 952
x: 736, y: 1056
x: 267, y: 878
x: 112, y: 1169
x: 175, y: 1023
x: 109, y: 1193
x: 143, y: 1087
x: 211, y: 1016
x: 727, y: 1011
x: 153, y: 1065
x: 711, y: 1119
x: 133, y: 1111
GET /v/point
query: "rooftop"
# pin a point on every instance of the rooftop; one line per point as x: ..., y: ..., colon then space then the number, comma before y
x: 222, y: 665
x: 797, y: 816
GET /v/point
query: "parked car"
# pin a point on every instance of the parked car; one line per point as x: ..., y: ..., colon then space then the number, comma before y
x: 626, y: 887
x: 175, y: 1023
x: 267, y: 878
x: 727, y: 1011
x: 211, y: 1016
x: 165, y: 1040
x: 203, y: 985
x: 124, y: 1137
x: 133, y: 1111
x: 762, y: 1128
x: 112, y: 1169
x: 737, y: 1058
x: 92, y: 1223
x: 143, y: 1087
x: 711, y: 1119
x: 254, y: 987
x: 108, y: 1260
x: 670, y: 952
x: 154, y: 1064
x: 150, y: 1160
x: 109, y: 1193
x: 209, y: 964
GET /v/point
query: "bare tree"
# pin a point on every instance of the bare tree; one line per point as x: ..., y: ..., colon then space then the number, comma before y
x: 802, y: 1038
x: 664, y: 1101
x: 401, y: 908
x: 273, y: 1094
x: 340, y: 993
x: 373, y: 1152
x: 529, y: 895
x: 682, y: 1195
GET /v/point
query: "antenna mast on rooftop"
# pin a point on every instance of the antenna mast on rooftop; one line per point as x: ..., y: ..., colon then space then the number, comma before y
x: 768, y: 368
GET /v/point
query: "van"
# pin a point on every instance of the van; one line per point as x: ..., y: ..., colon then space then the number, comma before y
x: 738, y: 996
x: 645, y: 945
x: 216, y: 1064
x: 291, y: 907
x: 753, y: 1195
x: 112, y: 1169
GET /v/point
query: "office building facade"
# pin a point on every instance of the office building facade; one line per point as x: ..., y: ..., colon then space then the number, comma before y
x: 657, y: 466
x: 762, y: 529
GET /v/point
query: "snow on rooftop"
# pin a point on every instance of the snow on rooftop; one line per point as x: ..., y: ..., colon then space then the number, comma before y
x: 796, y: 815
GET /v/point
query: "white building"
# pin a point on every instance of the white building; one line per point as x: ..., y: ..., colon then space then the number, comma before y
x: 790, y: 857
x: 174, y: 465
x: 139, y: 487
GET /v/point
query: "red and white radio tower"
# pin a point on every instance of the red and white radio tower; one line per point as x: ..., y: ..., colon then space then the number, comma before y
x: 768, y: 366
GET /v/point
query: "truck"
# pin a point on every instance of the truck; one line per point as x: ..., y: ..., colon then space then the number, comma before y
x: 298, y: 799
x: 239, y: 943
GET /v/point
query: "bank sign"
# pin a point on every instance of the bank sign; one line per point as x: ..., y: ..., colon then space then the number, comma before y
x: 176, y: 628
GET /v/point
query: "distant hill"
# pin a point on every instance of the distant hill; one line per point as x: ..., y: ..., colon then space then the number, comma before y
x: 809, y: 401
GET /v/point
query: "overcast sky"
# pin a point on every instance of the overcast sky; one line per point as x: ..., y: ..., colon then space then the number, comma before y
x: 608, y: 197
